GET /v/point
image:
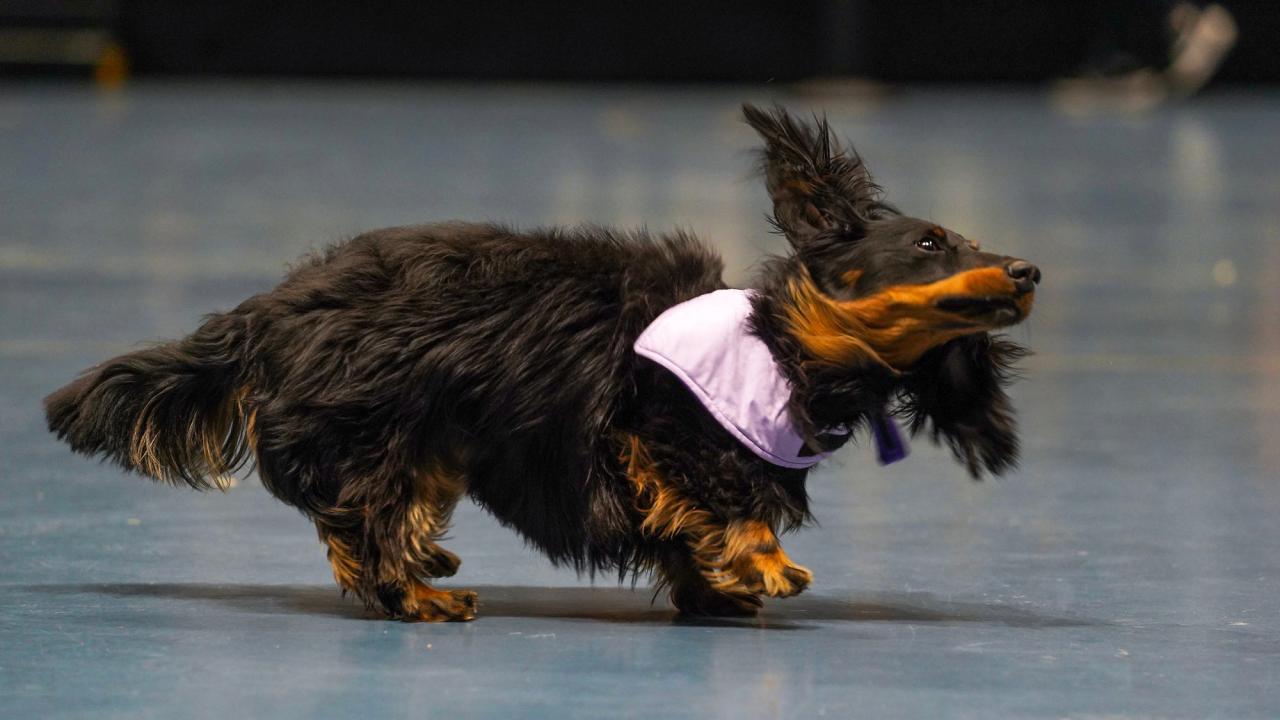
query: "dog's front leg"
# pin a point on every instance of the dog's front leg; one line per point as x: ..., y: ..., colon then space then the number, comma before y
x: 693, y: 594
x: 752, y: 558
x: 714, y: 565
x: 724, y: 568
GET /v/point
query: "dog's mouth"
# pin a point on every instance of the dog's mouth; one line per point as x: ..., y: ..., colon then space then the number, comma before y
x: 992, y: 310
x: 898, y: 324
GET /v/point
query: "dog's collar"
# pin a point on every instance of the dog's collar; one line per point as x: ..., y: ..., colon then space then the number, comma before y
x: 707, y: 344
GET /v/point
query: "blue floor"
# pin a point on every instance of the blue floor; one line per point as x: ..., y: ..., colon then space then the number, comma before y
x: 1131, y: 569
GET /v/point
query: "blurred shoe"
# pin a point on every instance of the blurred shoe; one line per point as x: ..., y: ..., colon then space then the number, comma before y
x: 1202, y: 40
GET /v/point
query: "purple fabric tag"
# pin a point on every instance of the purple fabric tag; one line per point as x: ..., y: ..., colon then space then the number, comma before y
x: 891, y: 446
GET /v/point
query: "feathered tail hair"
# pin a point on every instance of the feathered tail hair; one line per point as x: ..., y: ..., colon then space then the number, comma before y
x: 174, y: 412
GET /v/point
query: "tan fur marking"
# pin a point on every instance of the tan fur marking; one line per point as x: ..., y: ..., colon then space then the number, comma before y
x: 427, y: 604
x: 428, y: 520
x: 250, y: 415
x: 667, y: 515
x: 744, y: 537
x: 741, y: 557
x: 893, y: 327
x: 346, y: 570
x: 142, y: 450
x: 215, y: 446
x: 405, y: 551
x: 753, y: 553
x: 425, y: 593
x: 849, y: 277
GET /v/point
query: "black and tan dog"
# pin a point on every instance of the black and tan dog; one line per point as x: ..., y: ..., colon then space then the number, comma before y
x: 391, y: 375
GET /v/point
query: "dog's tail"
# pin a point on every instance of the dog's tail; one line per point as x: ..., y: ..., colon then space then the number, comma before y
x: 173, y: 412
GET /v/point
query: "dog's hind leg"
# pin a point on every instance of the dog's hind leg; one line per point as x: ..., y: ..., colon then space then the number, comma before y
x: 386, y: 557
x: 427, y: 521
x: 386, y: 582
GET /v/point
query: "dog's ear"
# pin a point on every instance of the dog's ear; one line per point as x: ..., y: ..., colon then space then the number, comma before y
x: 819, y: 188
x: 956, y: 392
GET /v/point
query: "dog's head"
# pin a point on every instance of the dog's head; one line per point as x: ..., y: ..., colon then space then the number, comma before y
x: 875, y: 280
x: 868, y: 286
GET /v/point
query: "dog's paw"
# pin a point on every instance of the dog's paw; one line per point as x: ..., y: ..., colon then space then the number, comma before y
x: 772, y: 573
x: 432, y: 605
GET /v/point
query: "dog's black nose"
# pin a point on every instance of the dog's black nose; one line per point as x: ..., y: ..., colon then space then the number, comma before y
x: 1025, y: 275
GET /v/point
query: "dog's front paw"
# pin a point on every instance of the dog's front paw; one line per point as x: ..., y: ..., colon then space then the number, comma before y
x: 432, y: 605
x: 772, y: 573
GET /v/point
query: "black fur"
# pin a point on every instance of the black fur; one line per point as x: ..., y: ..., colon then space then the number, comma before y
x: 957, y: 392
x: 406, y: 356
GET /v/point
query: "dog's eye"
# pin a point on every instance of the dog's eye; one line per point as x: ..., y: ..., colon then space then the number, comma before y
x: 928, y: 244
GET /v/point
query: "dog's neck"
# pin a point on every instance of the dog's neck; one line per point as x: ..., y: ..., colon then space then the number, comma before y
x: 825, y: 395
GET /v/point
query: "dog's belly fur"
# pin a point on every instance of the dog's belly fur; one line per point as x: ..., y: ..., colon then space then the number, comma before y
x: 469, y: 349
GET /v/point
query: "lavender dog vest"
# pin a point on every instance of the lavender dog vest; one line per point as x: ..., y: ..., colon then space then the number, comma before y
x: 706, y: 343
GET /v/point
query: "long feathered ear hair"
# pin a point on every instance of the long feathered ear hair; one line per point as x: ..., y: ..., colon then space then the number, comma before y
x: 956, y: 393
x: 822, y: 192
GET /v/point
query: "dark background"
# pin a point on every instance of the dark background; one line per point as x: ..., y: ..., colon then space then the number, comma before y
x: 661, y: 41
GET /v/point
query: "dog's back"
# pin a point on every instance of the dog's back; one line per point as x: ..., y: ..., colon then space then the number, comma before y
x: 402, y: 352
x: 440, y: 340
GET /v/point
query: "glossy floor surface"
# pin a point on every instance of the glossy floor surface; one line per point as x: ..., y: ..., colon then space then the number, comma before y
x: 1130, y: 569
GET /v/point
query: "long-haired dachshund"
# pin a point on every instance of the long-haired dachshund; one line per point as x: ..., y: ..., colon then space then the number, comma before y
x: 601, y: 392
